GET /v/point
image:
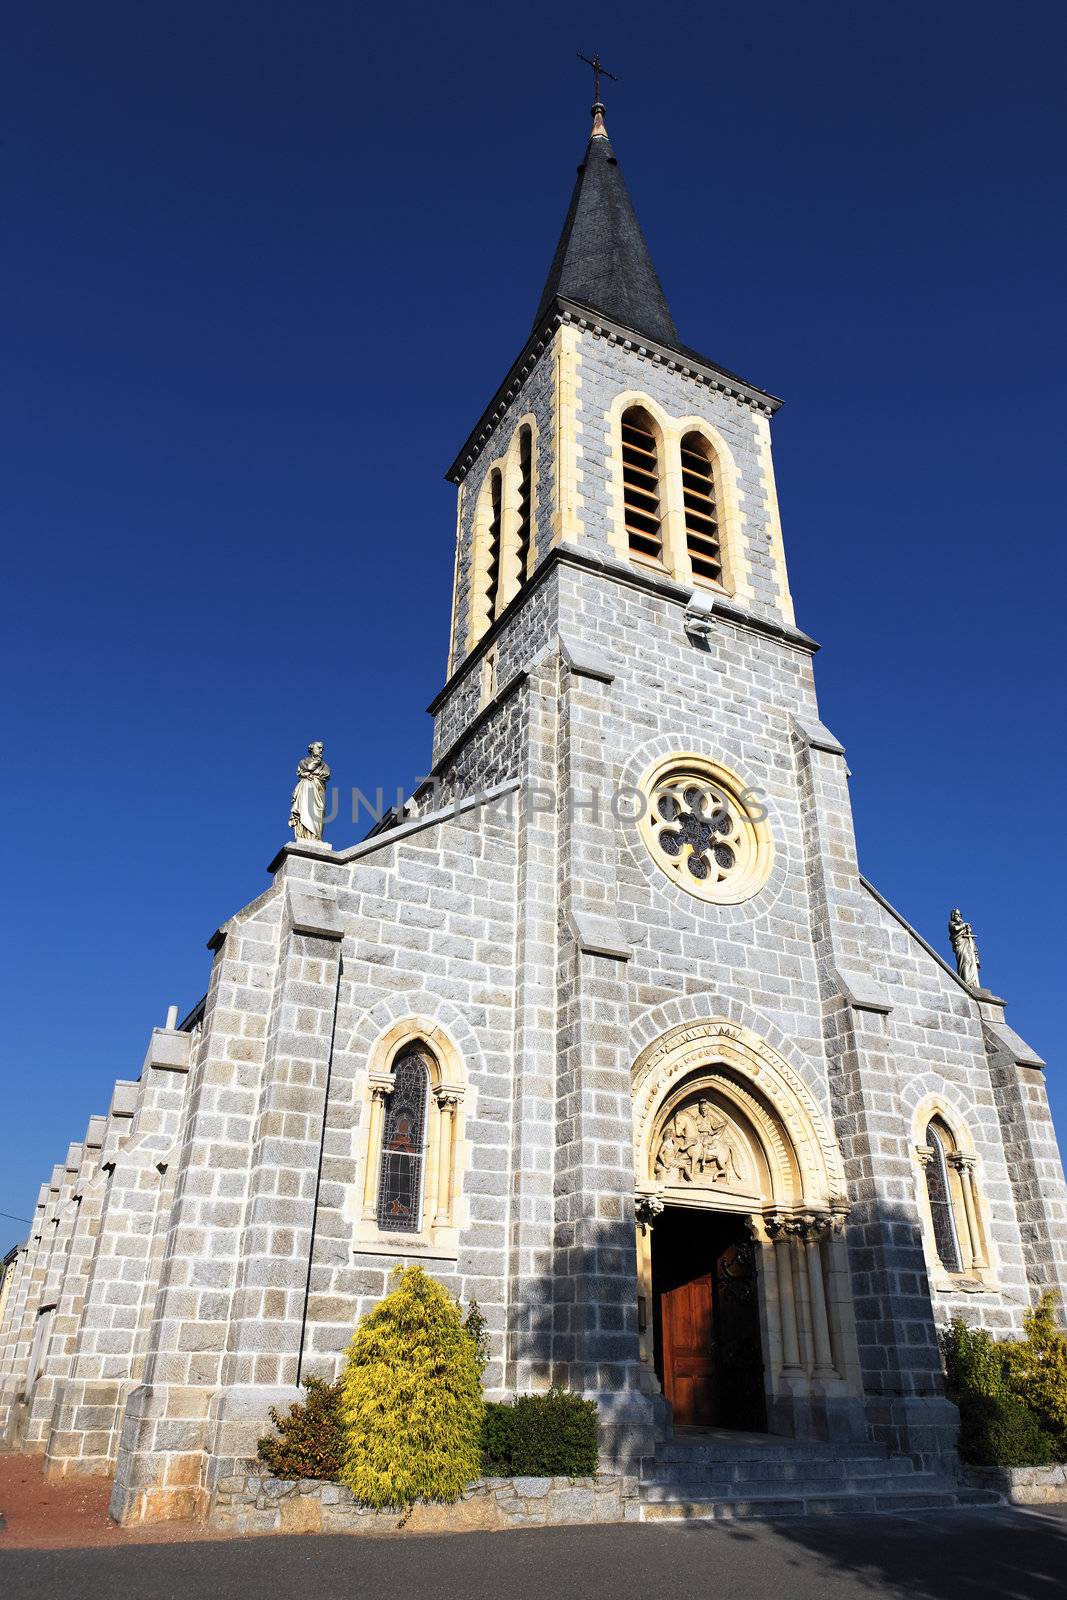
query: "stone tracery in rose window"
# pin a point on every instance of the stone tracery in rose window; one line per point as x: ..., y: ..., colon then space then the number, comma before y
x: 701, y: 831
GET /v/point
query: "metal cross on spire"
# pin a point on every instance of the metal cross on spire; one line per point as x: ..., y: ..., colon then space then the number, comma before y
x: 598, y: 67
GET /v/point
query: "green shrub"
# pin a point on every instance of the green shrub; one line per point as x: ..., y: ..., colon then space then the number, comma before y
x: 551, y: 1435
x: 974, y: 1362
x: 1001, y: 1431
x: 310, y: 1440
x: 411, y: 1399
x: 998, y: 1427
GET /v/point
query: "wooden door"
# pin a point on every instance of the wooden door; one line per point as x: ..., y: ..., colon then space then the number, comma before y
x: 706, y: 1320
x: 688, y: 1323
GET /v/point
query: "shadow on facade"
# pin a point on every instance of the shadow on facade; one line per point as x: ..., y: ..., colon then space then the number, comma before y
x: 587, y: 1322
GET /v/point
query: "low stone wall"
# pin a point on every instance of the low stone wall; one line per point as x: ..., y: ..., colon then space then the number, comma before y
x: 257, y: 1504
x: 1023, y: 1486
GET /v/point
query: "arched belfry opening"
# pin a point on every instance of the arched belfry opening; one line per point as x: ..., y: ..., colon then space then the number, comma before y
x: 745, y: 1305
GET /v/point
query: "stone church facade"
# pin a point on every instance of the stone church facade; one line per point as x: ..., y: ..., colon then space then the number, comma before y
x: 605, y: 1026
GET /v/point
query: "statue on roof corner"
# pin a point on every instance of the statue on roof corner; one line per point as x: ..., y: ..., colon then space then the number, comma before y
x: 308, y: 809
x: 964, y: 948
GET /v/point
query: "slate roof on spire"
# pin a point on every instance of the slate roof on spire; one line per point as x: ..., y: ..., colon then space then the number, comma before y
x: 602, y: 260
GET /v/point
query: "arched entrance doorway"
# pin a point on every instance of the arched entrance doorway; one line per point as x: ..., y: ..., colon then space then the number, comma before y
x: 745, y: 1299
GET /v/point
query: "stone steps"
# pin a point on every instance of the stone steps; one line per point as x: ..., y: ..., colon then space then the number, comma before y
x: 781, y: 1507
x: 687, y: 1451
x: 717, y: 1476
x: 820, y: 1473
x: 667, y: 1489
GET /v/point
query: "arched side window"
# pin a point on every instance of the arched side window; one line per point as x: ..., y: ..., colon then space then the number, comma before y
x: 413, y: 1153
x: 642, y: 508
x: 403, y: 1146
x: 701, y: 501
x: 955, y: 1235
x: 525, y: 503
x: 942, y: 1218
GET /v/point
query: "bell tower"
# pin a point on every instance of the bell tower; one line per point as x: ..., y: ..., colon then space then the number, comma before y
x: 612, y: 443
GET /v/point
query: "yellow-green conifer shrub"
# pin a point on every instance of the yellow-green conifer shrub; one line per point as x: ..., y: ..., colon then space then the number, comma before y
x: 411, y: 1399
x: 1037, y: 1370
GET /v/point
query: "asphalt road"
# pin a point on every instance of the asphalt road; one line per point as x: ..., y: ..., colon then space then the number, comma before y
x: 1012, y: 1555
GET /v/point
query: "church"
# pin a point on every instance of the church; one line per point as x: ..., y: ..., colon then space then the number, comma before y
x: 604, y: 1026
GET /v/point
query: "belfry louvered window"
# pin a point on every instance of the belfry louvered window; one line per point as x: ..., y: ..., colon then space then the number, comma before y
x: 641, y: 485
x: 701, y: 508
x: 403, y: 1138
x: 525, y: 503
x: 946, y: 1240
x: 492, y: 586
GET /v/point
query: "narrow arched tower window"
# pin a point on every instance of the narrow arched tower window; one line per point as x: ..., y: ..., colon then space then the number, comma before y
x: 701, y: 508
x: 492, y: 586
x: 946, y: 1240
x: 641, y: 485
x: 403, y: 1141
x: 525, y: 503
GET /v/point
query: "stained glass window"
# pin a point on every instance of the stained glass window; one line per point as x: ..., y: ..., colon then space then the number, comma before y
x: 945, y: 1241
x: 400, y: 1180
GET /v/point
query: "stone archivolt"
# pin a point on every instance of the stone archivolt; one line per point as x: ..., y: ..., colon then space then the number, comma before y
x: 759, y: 1137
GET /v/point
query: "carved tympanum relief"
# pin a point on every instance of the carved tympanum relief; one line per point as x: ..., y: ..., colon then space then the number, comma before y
x: 699, y: 1145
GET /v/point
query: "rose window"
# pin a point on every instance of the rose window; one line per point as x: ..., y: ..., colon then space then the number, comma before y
x: 706, y: 830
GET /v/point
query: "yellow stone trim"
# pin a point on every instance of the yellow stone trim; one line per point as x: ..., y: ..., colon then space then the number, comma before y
x: 756, y: 843
x: 566, y: 517
x: 774, y: 520
x: 446, y: 1157
x: 478, y: 618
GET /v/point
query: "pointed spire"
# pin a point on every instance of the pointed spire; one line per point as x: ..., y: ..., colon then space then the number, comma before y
x: 602, y: 260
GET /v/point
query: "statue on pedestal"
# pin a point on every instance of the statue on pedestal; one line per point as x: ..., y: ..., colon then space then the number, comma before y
x: 964, y: 948
x: 308, y: 808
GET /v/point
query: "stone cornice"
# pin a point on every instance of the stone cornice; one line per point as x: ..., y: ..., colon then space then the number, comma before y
x: 686, y: 363
x: 569, y: 555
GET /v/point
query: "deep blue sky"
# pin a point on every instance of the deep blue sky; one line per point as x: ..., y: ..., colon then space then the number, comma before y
x: 263, y: 266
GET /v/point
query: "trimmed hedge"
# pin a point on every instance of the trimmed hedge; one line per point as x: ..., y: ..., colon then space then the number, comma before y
x: 551, y: 1435
x: 310, y: 1440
